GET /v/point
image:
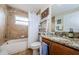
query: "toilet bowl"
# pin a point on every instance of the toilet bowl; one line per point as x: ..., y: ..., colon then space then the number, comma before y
x: 35, y: 46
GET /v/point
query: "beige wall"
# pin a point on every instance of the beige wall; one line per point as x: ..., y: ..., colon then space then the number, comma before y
x: 2, y: 22
x: 14, y: 31
x: 8, y: 29
x: 53, y: 24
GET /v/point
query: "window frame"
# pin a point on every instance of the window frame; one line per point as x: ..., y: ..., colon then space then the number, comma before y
x: 18, y: 20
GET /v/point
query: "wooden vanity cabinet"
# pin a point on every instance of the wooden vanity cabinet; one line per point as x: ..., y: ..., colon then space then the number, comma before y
x: 46, y: 41
x: 59, y: 49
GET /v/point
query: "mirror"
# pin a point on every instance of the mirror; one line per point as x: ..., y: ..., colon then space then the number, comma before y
x: 66, y: 17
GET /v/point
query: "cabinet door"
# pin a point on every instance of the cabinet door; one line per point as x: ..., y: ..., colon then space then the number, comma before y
x: 58, y: 49
x: 51, y: 49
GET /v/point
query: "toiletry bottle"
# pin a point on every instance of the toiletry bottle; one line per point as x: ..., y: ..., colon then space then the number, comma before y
x: 71, y: 33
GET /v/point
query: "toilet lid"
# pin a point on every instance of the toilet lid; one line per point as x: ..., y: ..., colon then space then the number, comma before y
x: 35, y: 44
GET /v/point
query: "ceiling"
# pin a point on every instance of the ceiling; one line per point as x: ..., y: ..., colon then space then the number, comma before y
x: 58, y: 9
x: 27, y: 7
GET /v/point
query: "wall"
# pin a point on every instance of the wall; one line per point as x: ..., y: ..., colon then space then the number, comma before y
x: 2, y: 23
x: 69, y: 20
x: 8, y: 29
x: 53, y: 24
x: 12, y: 30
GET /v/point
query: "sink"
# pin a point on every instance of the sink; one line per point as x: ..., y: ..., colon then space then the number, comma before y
x: 56, y: 38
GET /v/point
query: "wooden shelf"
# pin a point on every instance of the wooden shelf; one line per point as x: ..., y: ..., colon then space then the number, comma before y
x: 44, y: 19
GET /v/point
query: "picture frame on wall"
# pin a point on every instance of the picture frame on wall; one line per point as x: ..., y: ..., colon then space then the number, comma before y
x: 59, y: 21
x: 45, y: 13
x: 58, y: 27
x: 59, y: 24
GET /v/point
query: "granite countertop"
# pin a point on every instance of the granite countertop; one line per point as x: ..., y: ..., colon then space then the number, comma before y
x: 73, y: 43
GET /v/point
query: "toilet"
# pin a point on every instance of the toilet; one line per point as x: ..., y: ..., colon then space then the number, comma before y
x: 35, y: 46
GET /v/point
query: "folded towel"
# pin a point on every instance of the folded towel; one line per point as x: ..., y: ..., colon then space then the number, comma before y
x: 44, y: 49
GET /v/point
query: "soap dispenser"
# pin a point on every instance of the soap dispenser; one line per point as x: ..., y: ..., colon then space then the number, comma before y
x: 71, y: 33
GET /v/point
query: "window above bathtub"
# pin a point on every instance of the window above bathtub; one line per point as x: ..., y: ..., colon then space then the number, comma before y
x: 20, y: 20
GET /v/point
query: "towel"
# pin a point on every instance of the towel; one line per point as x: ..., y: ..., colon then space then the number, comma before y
x: 44, y: 49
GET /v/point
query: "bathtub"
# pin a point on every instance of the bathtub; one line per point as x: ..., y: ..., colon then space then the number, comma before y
x: 15, y: 45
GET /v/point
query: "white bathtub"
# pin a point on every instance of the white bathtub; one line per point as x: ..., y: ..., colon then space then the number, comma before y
x: 14, y: 46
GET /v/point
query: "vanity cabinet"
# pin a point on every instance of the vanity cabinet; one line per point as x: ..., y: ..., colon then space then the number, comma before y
x: 59, y: 49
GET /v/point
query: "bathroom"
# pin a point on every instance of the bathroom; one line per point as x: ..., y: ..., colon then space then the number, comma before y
x: 39, y: 29
x: 19, y: 28
x: 50, y: 29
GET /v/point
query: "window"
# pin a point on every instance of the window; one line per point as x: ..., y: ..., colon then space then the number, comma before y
x: 21, y: 20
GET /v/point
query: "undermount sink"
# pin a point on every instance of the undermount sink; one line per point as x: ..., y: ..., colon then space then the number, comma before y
x: 57, y: 38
